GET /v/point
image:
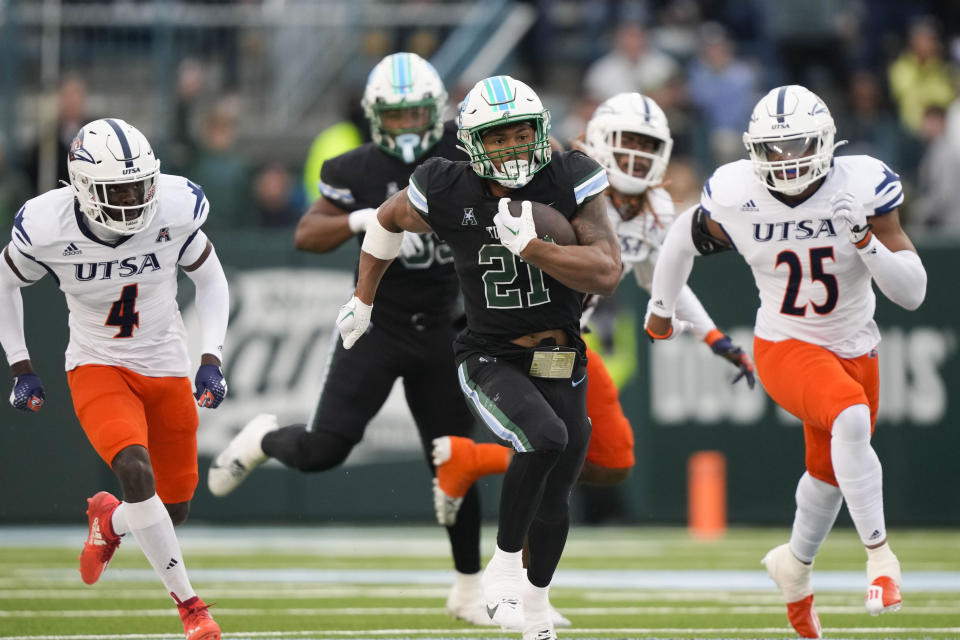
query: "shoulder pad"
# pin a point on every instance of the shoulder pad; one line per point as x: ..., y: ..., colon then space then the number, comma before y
x: 728, y: 185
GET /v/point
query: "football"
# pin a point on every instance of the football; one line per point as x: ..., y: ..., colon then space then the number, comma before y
x: 550, y: 223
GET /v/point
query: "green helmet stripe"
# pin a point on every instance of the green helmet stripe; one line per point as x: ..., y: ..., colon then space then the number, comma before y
x: 402, y: 80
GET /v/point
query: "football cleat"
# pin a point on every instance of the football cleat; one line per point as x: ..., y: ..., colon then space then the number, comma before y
x: 558, y: 619
x: 501, y: 595
x: 453, y: 458
x: 198, y: 624
x: 465, y: 602
x: 241, y: 456
x: 792, y: 577
x: 101, y: 542
x: 883, y: 594
x: 540, y: 633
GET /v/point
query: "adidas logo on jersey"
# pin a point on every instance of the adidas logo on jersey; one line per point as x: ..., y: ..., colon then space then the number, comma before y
x: 750, y: 206
x: 72, y: 250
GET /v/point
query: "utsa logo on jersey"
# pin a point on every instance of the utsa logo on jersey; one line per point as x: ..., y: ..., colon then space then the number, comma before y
x: 793, y: 230
x: 126, y: 268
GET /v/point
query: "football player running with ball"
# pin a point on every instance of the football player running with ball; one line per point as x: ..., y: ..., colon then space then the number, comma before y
x: 521, y: 362
x: 630, y: 138
x: 113, y: 241
x: 413, y: 324
x: 815, y: 230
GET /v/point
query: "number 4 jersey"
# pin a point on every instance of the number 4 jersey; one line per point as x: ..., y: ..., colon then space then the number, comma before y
x: 812, y: 284
x: 121, y: 295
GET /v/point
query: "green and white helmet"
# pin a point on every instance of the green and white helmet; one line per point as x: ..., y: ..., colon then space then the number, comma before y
x: 405, y: 81
x: 494, y: 102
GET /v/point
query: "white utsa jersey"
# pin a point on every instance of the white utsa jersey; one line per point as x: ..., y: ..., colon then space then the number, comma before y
x: 640, y: 240
x: 813, y: 285
x: 641, y: 237
x: 121, y: 295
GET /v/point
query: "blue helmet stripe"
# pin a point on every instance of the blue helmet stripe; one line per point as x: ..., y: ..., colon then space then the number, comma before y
x: 646, y: 108
x: 781, y: 99
x: 124, y: 143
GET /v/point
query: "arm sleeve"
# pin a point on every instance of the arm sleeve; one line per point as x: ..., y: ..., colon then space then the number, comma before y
x: 673, y: 267
x: 899, y: 275
x: 11, y: 315
x: 690, y: 308
x: 213, y: 303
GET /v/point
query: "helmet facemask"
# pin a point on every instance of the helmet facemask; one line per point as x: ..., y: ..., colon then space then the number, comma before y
x: 512, y: 167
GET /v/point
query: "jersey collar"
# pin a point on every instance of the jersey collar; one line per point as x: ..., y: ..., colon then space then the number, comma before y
x: 85, y: 230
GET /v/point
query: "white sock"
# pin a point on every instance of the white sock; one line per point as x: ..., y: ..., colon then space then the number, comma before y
x: 150, y: 524
x: 511, y: 561
x: 882, y: 562
x: 467, y: 582
x: 536, y: 605
x: 818, y: 504
x: 858, y: 472
x: 118, y: 521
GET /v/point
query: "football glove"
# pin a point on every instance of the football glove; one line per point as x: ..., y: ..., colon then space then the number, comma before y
x: 27, y: 393
x: 736, y: 356
x: 353, y: 320
x: 411, y: 245
x: 847, y: 211
x: 515, y: 233
x: 211, y: 387
x: 359, y: 219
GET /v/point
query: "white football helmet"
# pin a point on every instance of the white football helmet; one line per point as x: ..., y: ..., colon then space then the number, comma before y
x: 603, y: 141
x: 494, y: 102
x: 405, y: 81
x: 114, y: 175
x: 794, y: 125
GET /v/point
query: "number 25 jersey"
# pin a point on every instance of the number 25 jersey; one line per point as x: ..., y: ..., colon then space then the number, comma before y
x: 813, y: 286
x: 121, y: 295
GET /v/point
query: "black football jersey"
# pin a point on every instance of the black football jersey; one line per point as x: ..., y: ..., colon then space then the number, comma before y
x: 504, y: 296
x: 364, y: 178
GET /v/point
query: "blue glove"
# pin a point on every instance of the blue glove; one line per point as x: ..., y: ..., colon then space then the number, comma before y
x: 211, y: 387
x: 27, y: 393
x: 725, y: 348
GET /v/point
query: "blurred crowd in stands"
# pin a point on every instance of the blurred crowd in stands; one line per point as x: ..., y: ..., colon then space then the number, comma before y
x: 888, y: 70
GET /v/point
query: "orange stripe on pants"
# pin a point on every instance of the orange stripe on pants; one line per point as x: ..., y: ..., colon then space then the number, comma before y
x: 815, y: 385
x: 611, y: 443
x: 118, y: 408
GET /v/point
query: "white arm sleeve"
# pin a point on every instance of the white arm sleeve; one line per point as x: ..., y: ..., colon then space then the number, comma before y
x: 673, y: 267
x: 690, y: 308
x: 11, y: 315
x: 213, y: 303
x: 900, y: 276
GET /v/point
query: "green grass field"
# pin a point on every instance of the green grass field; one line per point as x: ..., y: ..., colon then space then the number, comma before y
x: 337, y: 582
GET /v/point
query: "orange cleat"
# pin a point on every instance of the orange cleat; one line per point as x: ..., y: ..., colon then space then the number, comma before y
x: 198, y: 624
x: 792, y: 578
x: 459, y: 463
x: 101, y: 542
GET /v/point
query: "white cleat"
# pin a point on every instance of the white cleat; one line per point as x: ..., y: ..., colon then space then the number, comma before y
x: 792, y: 577
x: 501, y: 596
x: 883, y: 593
x: 446, y: 507
x: 241, y: 456
x: 465, y: 602
x: 540, y: 633
x: 558, y: 619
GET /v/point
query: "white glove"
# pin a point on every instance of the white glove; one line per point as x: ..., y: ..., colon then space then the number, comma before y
x: 848, y: 211
x: 353, y: 320
x: 411, y: 245
x: 515, y: 233
x: 359, y: 219
x: 677, y: 327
